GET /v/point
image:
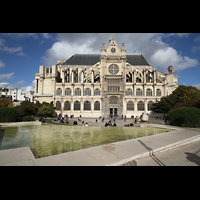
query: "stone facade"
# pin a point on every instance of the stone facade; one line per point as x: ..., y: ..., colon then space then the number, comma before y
x: 111, y: 83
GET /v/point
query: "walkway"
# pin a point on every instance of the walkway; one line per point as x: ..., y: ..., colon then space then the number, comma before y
x: 119, y: 153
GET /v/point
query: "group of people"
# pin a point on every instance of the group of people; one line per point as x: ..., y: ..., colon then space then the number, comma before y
x: 107, y: 124
x: 61, y: 120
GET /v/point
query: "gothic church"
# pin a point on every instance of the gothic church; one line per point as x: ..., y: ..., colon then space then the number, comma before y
x: 112, y: 83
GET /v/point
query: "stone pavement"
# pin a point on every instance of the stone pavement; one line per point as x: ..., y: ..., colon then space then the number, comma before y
x: 119, y: 153
x: 187, y: 155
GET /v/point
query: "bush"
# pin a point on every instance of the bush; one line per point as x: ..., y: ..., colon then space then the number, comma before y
x: 8, y: 114
x: 184, y: 117
x: 27, y: 118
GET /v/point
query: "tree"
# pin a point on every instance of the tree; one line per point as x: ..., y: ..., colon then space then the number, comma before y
x: 6, y: 103
x: 27, y: 108
x: 46, y: 109
x: 182, y: 96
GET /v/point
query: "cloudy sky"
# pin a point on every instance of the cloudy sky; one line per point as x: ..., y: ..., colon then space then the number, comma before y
x: 21, y: 54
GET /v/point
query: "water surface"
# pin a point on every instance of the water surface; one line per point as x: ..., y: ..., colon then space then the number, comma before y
x: 49, y: 140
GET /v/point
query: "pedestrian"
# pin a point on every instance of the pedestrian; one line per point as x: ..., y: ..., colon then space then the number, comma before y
x: 96, y: 120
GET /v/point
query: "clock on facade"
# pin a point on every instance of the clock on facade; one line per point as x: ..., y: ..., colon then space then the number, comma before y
x: 113, y: 69
x: 113, y: 50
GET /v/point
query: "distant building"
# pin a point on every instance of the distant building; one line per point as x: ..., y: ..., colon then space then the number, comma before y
x: 4, y: 94
x: 112, y: 83
x: 16, y: 95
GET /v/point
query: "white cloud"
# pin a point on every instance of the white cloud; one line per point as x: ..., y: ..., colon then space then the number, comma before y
x: 6, y: 76
x: 11, y: 85
x: 197, y: 85
x: 11, y: 49
x: 28, y: 88
x: 64, y: 50
x: 2, y: 64
x: 156, y: 51
x: 166, y: 56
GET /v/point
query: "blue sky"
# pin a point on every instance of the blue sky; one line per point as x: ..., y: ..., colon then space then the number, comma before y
x: 21, y: 54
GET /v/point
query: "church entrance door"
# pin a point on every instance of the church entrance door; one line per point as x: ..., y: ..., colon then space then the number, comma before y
x: 113, y: 112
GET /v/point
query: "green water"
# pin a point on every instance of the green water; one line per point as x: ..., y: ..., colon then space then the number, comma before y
x: 50, y: 140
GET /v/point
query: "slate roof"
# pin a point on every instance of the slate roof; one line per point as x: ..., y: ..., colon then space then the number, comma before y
x: 91, y: 59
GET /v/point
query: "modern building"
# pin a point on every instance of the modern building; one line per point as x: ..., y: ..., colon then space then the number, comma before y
x: 112, y: 83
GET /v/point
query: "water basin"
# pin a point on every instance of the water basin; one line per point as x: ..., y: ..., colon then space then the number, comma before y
x: 51, y: 140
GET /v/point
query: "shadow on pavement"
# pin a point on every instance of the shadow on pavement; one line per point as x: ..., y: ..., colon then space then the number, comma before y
x: 192, y: 157
x: 151, y: 153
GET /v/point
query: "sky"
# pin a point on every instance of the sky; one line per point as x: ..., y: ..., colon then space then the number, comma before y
x: 21, y: 54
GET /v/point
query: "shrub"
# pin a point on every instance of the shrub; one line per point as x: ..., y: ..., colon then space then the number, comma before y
x: 27, y: 118
x: 8, y: 114
x: 184, y: 117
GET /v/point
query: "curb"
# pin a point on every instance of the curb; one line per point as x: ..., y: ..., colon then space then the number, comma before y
x: 125, y: 162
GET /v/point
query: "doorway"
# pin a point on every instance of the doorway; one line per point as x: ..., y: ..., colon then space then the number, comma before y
x: 113, y: 112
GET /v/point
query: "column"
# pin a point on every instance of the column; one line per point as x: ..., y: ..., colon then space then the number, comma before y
x: 92, y: 81
x: 82, y: 76
x: 62, y: 76
x: 144, y: 76
x: 134, y: 90
x: 145, y: 105
x: 154, y: 76
x: 135, y: 105
x: 72, y: 105
x: 72, y: 73
x: 134, y: 76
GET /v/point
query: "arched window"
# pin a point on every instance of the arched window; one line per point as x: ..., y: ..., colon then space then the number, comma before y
x: 97, y: 92
x: 67, y: 105
x: 113, y: 100
x: 139, y: 92
x: 140, y: 106
x: 149, y: 105
x: 149, y: 92
x: 77, y: 92
x: 77, y: 105
x: 87, y: 105
x: 87, y: 92
x: 59, y: 92
x: 58, y: 105
x: 96, y: 105
x: 68, y: 91
x: 129, y: 92
x: 158, y: 92
x: 130, y: 105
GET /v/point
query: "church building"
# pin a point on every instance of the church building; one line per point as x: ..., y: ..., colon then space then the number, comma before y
x: 112, y: 83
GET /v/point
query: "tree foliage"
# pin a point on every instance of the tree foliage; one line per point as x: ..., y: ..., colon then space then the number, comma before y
x: 27, y: 108
x: 184, y: 116
x: 6, y: 103
x: 182, y: 96
x: 45, y: 109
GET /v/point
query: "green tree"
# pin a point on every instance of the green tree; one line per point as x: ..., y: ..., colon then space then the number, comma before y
x: 46, y: 109
x: 182, y: 96
x: 27, y: 108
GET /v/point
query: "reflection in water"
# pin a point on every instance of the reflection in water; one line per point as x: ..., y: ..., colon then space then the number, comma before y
x: 49, y: 140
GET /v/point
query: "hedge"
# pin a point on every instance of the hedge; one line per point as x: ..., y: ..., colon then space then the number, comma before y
x: 8, y: 114
x: 27, y: 118
x: 184, y: 117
